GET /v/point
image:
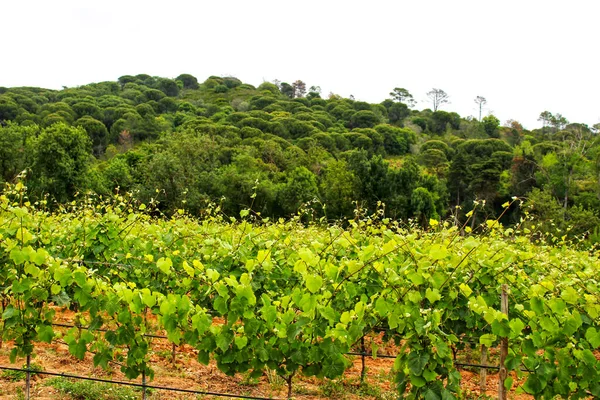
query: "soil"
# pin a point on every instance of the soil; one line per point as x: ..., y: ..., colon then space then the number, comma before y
x: 187, y: 373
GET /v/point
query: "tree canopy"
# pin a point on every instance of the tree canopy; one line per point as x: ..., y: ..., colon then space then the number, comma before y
x: 280, y: 147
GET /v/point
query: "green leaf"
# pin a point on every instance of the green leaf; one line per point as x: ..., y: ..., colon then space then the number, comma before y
x: 10, y: 312
x: 332, y: 368
x: 345, y: 318
x: 164, y: 264
x: 570, y: 295
x: 328, y: 313
x: 39, y: 257
x: 45, y: 333
x: 516, y: 327
x: 241, y: 341
x: 314, y: 283
x: 432, y: 295
x: 148, y: 298
x: 55, y: 288
x: 381, y: 306
x: 223, y: 341
x: 414, y: 297
x: 417, y: 362
x: 416, y: 278
x: 488, y: 339
x: 203, y: 357
x: 429, y: 375
x: 189, y: 270
x: 269, y: 314
x: 438, y: 252
x: 430, y: 394
x: 465, y: 289
x: 220, y: 305
x: 212, y: 275
x: 308, y: 257
x: 32, y: 270
x: 18, y: 256
x: 245, y: 292
x: 537, y: 305
x: 534, y: 385
x: 593, y: 336
x: 417, y: 381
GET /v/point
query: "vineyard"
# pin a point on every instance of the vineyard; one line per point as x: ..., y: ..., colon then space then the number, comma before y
x: 295, y: 297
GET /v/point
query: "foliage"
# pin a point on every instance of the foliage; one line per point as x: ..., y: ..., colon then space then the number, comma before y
x: 181, y: 143
x: 86, y: 390
x: 295, y: 297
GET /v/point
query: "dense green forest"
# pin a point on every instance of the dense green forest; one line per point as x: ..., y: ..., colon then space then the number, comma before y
x: 281, y: 149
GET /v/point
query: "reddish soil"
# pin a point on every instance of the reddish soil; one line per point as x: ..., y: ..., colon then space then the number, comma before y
x: 187, y: 373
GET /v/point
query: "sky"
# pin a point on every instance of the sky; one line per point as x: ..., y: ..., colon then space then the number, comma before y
x: 524, y: 56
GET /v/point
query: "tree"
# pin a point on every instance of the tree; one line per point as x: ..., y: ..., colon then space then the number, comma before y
x: 437, y: 97
x: 300, y: 187
x: 96, y: 131
x: 491, y: 125
x: 422, y: 204
x: 440, y: 121
x: 314, y: 92
x: 480, y: 101
x: 287, y: 90
x: 16, y: 146
x: 397, y: 112
x: 364, y: 119
x: 299, y: 88
x: 337, y: 189
x: 402, y: 95
x: 61, y: 161
x: 545, y: 117
x: 558, y: 121
x: 168, y: 87
x: 189, y: 81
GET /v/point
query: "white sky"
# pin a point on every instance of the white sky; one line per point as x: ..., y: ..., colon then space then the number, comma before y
x: 524, y: 56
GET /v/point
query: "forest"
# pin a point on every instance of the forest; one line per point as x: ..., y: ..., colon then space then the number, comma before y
x: 283, y: 149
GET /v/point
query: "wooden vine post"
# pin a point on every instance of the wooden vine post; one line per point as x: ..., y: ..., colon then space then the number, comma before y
x: 28, y: 378
x: 483, y: 371
x: 363, y: 371
x: 143, y: 385
x: 503, y: 347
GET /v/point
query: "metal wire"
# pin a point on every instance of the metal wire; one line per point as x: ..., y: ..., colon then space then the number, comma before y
x: 140, y: 385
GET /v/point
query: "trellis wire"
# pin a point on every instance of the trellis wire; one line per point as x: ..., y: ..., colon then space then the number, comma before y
x: 139, y: 385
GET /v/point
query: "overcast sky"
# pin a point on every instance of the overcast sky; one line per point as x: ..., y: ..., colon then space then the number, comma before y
x: 523, y: 56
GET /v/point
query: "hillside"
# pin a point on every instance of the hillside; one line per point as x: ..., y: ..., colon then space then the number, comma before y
x: 281, y: 149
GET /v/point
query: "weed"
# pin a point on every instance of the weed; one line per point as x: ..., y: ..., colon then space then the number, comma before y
x: 249, y: 380
x: 333, y: 388
x: 277, y: 383
x: 15, y: 376
x: 86, y: 390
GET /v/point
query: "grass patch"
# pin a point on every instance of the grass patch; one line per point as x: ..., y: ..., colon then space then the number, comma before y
x: 88, y: 390
x: 339, y: 389
x: 15, y: 376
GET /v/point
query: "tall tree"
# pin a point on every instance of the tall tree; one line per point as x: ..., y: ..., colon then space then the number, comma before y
x: 299, y: 88
x: 546, y: 117
x: 480, y: 101
x: 403, y: 96
x: 287, y: 89
x: 558, y: 121
x: 61, y: 161
x: 437, y: 97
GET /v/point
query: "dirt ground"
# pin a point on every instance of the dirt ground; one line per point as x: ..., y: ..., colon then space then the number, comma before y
x: 187, y: 373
